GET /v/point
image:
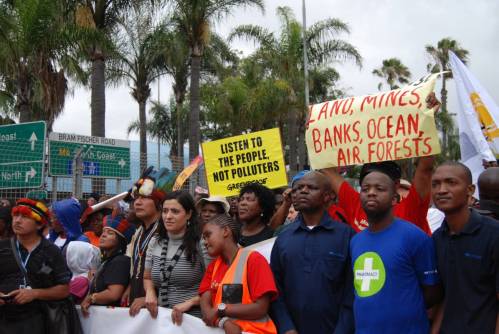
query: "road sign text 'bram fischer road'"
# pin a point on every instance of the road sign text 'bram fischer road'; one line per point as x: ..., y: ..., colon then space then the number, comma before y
x: 22, y: 153
x: 102, y: 157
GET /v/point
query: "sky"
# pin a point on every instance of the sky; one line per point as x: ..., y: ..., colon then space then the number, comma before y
x: 379, y: 29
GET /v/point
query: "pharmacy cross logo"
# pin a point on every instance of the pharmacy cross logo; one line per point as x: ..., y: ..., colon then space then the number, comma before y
x: 370, y: 274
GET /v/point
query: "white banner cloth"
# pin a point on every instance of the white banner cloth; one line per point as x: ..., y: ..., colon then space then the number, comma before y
x: 103, y: 320
x: 264, y: 247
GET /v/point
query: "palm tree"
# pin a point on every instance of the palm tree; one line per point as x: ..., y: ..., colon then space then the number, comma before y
x: 248, y: 100
x: 176, y: 63
x: 323, y: 85
x: 138, y: 61
x: 102, y: 16
x: 393, y: 71
x: 36, y: 54
x: 162, y: 125
x: 440, y: 61
x: 234, y: 106
x: 175, y: 60
x: 283, y: 56
x: 193, y: 19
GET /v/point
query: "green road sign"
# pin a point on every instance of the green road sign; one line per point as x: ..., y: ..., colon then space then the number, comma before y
x: 102, y: 157
x: 21, y: 175
x: 37, y: 194
x: 22, y: 152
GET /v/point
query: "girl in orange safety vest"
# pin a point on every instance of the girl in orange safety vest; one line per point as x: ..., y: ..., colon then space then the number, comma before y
x: 238, y: 285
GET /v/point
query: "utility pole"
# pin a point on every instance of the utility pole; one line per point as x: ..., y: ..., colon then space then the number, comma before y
x: 305, y: 56
x: 159, y: 144
x: 78, y: 173
x: 302, y: 150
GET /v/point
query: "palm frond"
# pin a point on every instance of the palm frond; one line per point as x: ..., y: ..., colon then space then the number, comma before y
x: 257, y: 34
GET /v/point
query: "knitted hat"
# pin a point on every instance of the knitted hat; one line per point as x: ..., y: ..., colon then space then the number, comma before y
x: 119, y: 225
x: 32, y: 209
x: 154, y: 184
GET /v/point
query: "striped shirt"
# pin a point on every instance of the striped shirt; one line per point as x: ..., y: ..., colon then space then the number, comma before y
x: 185, y: 277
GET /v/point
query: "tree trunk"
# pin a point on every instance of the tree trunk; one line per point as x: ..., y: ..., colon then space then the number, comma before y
x: 23, y: 97
x: 180, y: 133
x: 143, y: 135
x: 24, y: 113
x: 194, y: 128
x: 292, y: 142
x: 180, y: 139
x: 98, y: 99
x: 302, y: 149
x: 98, y: 110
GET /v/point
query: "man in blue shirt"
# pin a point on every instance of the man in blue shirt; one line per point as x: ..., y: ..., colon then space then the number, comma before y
x: 311, y: 265
x: 394, y: 266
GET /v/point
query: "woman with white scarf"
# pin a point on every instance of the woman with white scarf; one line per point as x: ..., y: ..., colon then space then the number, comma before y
x: 82, y: 259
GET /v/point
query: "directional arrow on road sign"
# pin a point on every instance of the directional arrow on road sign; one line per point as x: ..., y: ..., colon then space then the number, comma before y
x: 24, y: 142
x: 21, y: 175
x: 33, y: 140
x: 122, y: 163
x: 30, y: 174
x: 22, y: 155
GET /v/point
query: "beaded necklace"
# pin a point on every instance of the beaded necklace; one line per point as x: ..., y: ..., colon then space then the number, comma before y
x: 139, y: 248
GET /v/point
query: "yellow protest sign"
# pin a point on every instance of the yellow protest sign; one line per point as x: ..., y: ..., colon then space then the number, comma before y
x: 388, y: 126
x: 233, y: 162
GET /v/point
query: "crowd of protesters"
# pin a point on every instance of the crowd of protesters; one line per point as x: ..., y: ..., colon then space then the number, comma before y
x: 393, y: 257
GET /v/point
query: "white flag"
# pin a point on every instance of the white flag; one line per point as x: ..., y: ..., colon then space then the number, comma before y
x: 477, y: 119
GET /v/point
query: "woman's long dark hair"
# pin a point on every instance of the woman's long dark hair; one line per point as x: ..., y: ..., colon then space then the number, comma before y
x: 191, y: 237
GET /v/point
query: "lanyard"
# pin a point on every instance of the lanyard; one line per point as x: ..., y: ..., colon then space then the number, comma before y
x: 165, y: 274
x: 25, y: 262
x: 140, y: 245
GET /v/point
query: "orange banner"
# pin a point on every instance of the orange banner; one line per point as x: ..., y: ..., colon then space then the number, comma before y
x: 187, y: 172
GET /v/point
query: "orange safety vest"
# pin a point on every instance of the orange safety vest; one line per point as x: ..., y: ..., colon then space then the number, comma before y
x: 237, y: 274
